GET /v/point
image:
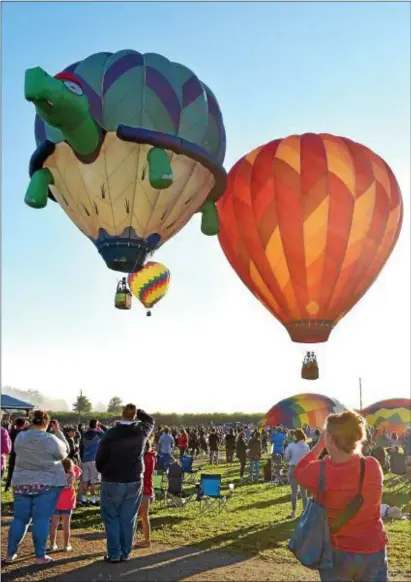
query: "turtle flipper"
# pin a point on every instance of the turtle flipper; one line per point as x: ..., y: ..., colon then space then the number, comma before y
x: 159, y: 167
x: 210, y: 224
x: 38, y: 189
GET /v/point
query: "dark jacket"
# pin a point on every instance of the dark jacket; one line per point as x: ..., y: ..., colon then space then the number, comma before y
x: 230, y: 442
x: 213, y: 441
x: 120, y: 454
x: 74, y: 450
x: 254, y: 448
x: 241, y: 448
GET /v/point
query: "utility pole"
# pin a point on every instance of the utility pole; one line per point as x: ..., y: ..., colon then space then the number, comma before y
x: 360, y: 395
x: 79, y: 410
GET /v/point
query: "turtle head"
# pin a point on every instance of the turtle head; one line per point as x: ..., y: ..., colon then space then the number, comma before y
x: 59, y: 100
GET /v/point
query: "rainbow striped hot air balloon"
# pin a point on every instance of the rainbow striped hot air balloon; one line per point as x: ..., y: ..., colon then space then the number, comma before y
x: 150, y: 284
x: 394, y: 414
x: 302, y: 409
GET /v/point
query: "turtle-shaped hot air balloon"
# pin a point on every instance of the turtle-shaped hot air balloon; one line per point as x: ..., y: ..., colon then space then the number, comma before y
x: 130, y: 145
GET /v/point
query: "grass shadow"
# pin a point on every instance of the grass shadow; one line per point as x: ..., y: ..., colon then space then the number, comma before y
x: 264, y: 503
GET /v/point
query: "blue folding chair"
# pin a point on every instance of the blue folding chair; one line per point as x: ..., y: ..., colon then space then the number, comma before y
x: 210, y: 496
x: 188, y: 471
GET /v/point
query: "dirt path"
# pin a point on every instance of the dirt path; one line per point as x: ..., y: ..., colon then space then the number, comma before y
x: 158, y: 564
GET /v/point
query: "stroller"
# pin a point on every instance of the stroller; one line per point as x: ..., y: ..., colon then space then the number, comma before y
x: 279, y: 473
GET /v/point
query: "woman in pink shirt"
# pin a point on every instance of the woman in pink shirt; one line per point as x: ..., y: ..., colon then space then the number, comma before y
x: 65, y: 506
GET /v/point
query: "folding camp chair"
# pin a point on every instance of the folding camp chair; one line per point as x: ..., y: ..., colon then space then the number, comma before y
x: 398, y: 470
x: 209, y: 494
x: 177, y: 496
x: 279, y: 471
x: 160, y: 488
x: 189, y: 473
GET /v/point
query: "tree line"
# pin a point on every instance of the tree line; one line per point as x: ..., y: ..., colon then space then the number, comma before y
x: 82, y: 409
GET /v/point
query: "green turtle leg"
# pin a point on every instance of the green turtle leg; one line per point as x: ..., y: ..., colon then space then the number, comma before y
x: 37, y: 192
x: 210, y: 224
x: 159, y: 167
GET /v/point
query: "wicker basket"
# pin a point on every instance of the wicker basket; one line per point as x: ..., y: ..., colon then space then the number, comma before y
x: 122, y: 300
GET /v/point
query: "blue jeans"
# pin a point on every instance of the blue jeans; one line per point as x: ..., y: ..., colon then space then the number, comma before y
x: 119, y: 505
x: 254, y: 466
x: 38, y: 509
x: 349, y: 567
x: 164, y: 461
x: 294, y: 490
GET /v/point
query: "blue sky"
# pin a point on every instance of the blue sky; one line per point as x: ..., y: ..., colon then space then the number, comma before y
x: 276, y: 69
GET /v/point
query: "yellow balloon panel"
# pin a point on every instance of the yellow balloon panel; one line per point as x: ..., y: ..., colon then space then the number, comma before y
x: 114, y: 192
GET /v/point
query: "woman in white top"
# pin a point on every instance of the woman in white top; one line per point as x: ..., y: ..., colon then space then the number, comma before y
x: 293, y: 453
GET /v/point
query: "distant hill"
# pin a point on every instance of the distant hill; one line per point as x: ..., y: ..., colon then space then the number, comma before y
x: 36, y: 398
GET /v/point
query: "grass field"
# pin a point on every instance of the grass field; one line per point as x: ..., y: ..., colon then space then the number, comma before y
x: 256, y: 524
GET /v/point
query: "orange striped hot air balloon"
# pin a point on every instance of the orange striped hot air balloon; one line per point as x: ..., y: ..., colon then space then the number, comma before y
x: 308, y: 222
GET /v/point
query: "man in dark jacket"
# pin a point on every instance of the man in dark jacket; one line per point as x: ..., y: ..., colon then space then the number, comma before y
x: 120, y: 462
x: 254, y: 454
x: 230, y: 445
x: 214, y: 443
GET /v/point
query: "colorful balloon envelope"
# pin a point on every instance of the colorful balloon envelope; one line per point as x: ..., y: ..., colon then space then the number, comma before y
x: 130, y: 145
x: 393, y: 415
x: 150, y: 284
x: 308, y: 222
x: 301, y: 409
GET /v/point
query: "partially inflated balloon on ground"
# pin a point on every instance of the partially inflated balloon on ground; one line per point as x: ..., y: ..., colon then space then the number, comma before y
x: 393, y: 415
x: 301, y: 409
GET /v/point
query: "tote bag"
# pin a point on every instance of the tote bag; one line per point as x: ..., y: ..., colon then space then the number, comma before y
x: 311, y: 541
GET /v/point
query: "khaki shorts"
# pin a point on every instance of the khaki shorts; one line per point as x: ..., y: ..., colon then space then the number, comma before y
x: 90, y: 473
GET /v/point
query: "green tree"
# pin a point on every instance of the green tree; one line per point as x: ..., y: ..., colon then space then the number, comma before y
x: 82, y: 404
x: 115, y: 406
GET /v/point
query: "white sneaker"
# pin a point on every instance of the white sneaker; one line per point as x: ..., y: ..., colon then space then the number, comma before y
x: 68, y: 548
x: 54, y: 548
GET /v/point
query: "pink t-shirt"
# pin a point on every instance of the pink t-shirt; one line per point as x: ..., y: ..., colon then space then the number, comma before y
x: 67, y: 499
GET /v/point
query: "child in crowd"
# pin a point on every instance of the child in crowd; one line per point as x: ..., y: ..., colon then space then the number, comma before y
x: 65, y: 505
x: 148, y: 494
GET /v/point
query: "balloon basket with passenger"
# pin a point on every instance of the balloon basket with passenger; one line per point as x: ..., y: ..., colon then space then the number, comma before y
x: 123, y: 297
x: 310, y: 369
